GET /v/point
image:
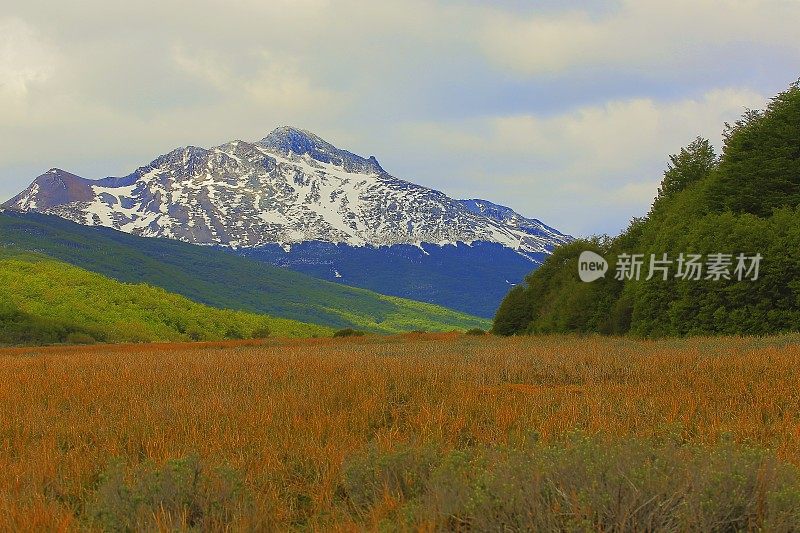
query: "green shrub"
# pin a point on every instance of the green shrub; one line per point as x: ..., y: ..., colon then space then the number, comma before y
x: 475, y: 331
x: 580, y: 484
x: 262, y: 332
x: 182, y: 492
x: 234, y: 332
x: 402, y: 473
x: 349, y: 332
x: 77, y: 337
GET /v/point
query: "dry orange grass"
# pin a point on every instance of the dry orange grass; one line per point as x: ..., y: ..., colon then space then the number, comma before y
x: 287, y: 413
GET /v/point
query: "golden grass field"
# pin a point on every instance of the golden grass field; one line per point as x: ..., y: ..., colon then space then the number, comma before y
x: 286, y: 415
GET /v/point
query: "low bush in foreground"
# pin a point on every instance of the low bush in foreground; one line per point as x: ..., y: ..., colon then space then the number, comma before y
x: 578, y: 485
x: 183, y: 494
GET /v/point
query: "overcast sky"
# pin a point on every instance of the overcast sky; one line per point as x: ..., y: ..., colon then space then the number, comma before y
x: 564, y: 111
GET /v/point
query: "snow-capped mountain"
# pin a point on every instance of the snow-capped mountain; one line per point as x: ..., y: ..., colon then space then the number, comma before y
x: 288, y: 189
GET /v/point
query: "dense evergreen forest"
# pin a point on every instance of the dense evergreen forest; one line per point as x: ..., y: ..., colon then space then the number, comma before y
x: 740, y: 203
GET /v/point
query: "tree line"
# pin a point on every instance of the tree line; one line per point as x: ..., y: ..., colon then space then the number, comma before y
x: 742, y: 202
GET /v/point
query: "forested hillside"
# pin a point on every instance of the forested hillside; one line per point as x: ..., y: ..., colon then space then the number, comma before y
x: 745, y: 201
x: 45, y: 301
x: 221, y: 279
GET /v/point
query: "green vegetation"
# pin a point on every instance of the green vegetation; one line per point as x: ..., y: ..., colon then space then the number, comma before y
x: 575, y: 484
x: 220, y: 279
x: 746, y: 201
x: 475, y: 331
x: 182, y: 494
x: 349, y: 332
x: 580, y: 484
x: 45, y: 301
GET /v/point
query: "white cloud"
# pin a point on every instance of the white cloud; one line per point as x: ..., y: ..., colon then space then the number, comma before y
x: 24, y: 58
x: 271, y: 81
x: 638, y: 34
x: 620, y: 135
x: 614, y: 135
x: 602, y: 160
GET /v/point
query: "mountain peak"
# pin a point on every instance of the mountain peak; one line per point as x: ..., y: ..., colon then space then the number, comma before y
x: 54, y: 187
x: 293, y: 131
x: 288, y: 140
x: 295, y: 140
x: 56, y: 177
